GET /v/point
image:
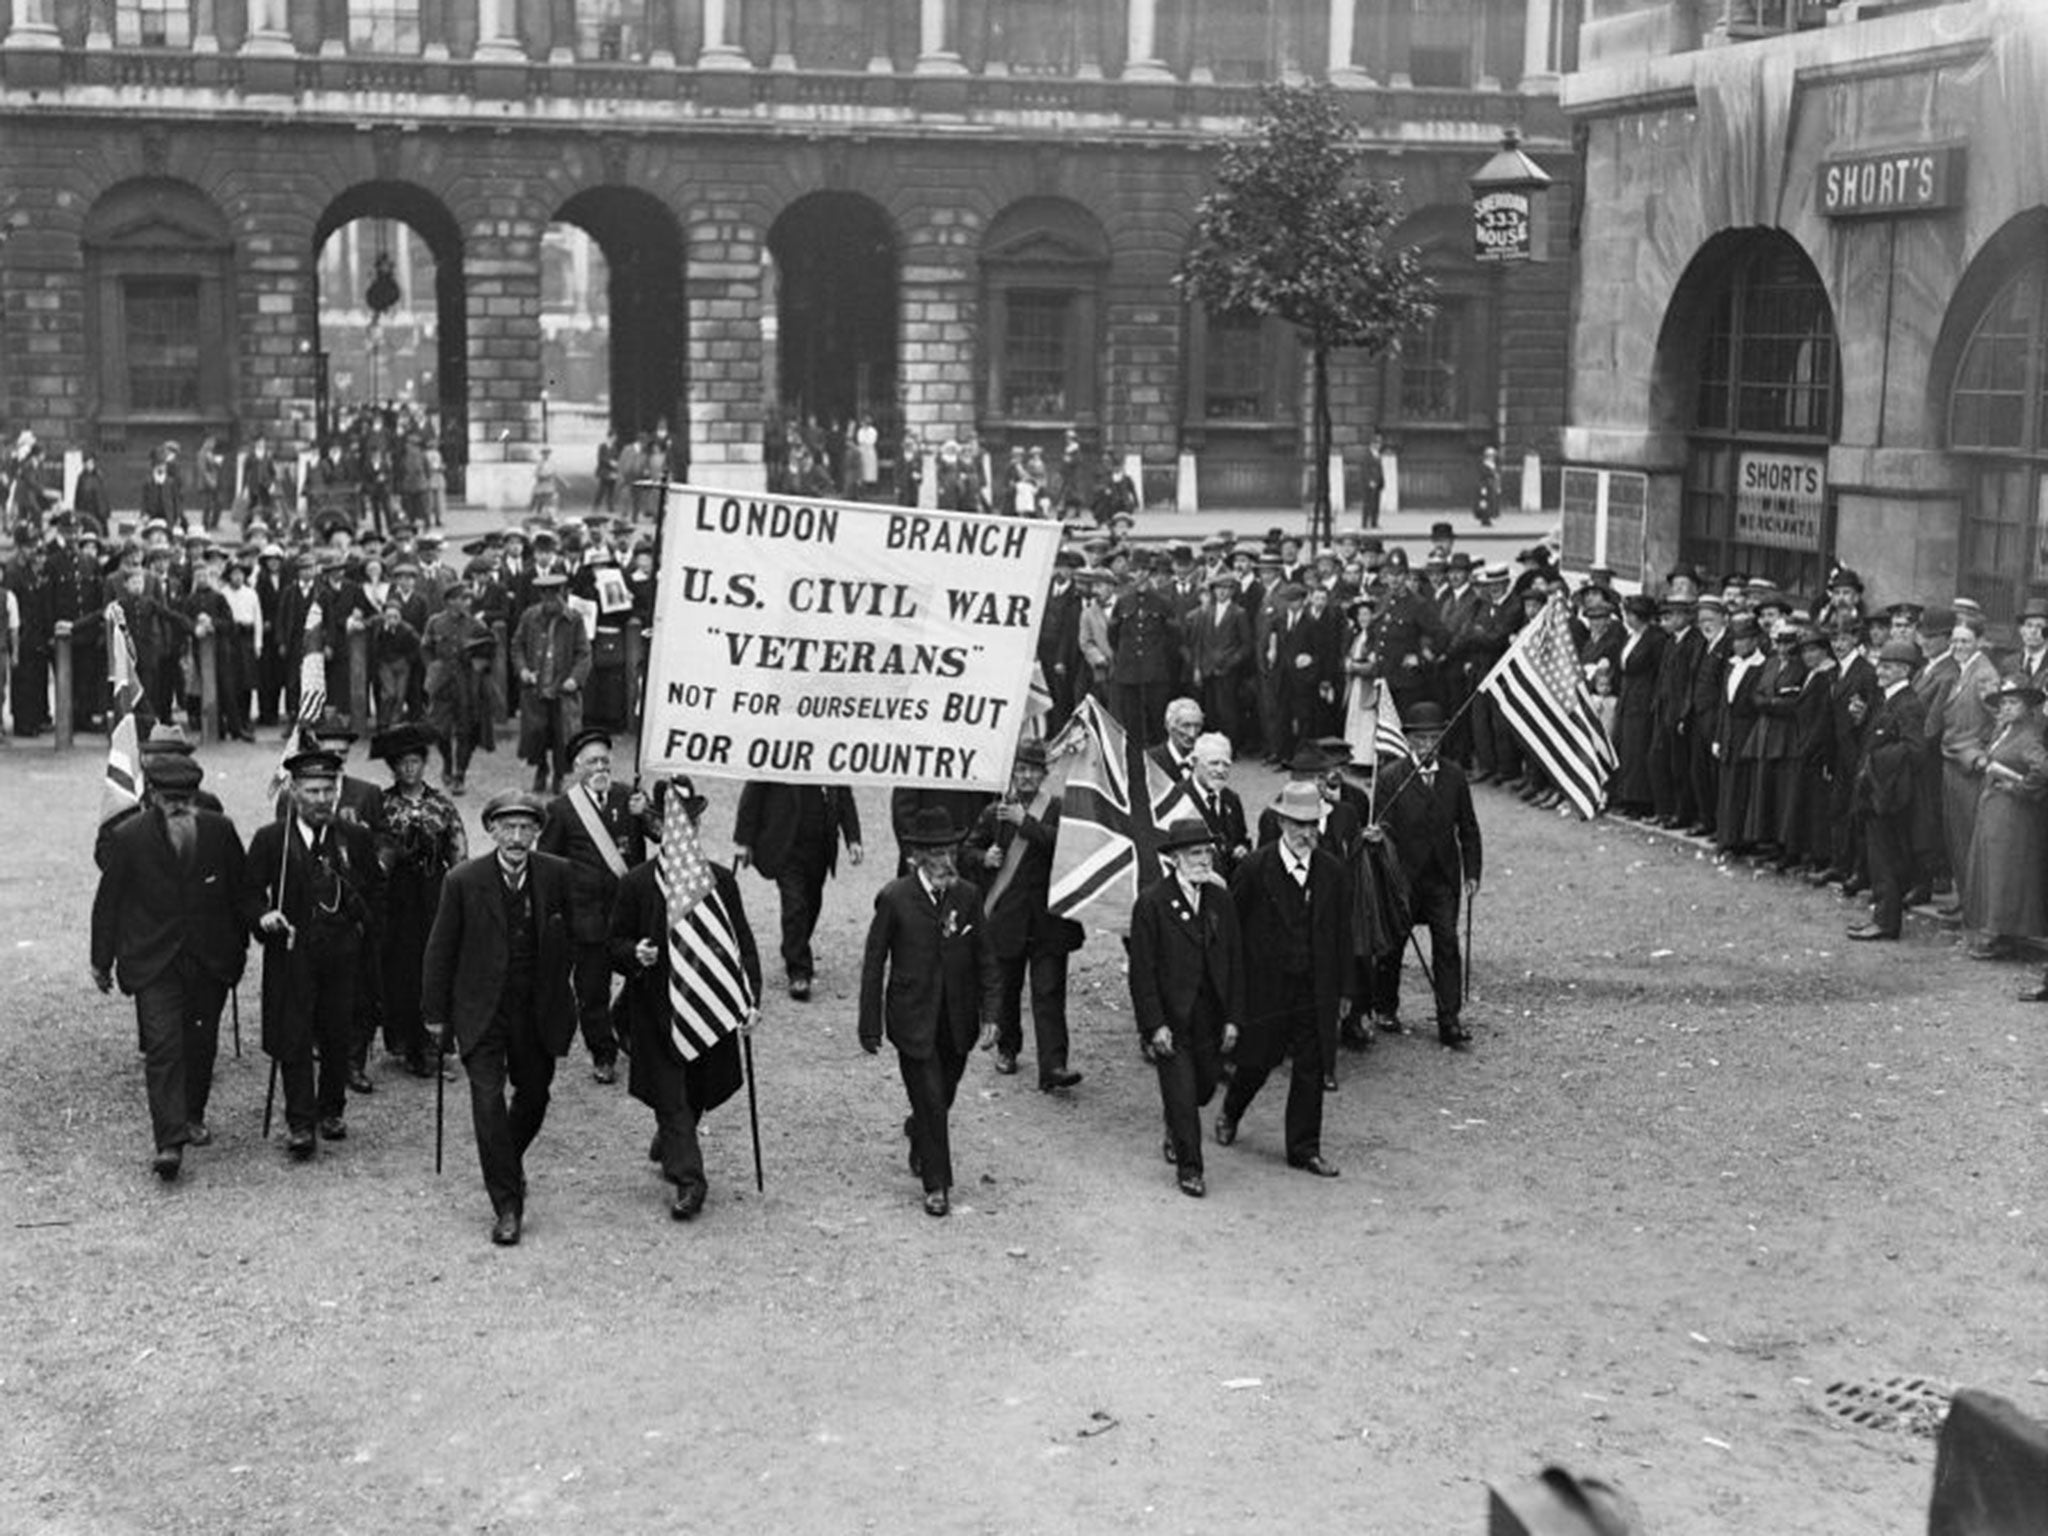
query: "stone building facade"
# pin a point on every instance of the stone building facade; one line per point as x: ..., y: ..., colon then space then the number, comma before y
x: 949, y: 214
x: 1813, y: 280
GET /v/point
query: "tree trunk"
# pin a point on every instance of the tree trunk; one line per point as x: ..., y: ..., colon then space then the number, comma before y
x: 1319, y: 525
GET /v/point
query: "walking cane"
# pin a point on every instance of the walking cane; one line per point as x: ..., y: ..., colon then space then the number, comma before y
x: 235, y: 1014
x: 753, y: 1107
x: 270, y: 1098
x: 440, y: 1092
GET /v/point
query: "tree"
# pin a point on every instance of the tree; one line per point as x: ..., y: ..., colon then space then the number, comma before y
x: 1296, y: 229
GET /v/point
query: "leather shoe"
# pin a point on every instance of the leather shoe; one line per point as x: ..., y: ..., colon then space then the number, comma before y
x: 334, y: 1128
x: 2037, y: 995
x: 166, y: 1163
x: 1226, y: 1129
x: 197, y: 1135
x: 1866, y: 931
x: 1329, y: 1082
x: 1854, y: 887
x: 1191, y: 1184
x: 1006, y: 1063
x: 1065, y: 1077
x: 800, y: 988
x: 299, y: 1144
x: 687, y: 1203
x: 936, y: 1203
x: 1391, y: 1025
x: 1316, y: 1166
x: 604, y: 1070
x: 505, y: 1230
x: 359, y: 1081
x: 1454, y: 1035
x: 1822, y: 877
x: 1166, y: 1145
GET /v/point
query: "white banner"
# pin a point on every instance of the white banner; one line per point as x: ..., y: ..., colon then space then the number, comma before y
x: 820, y: 642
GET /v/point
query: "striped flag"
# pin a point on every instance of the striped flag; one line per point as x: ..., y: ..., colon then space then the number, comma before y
x: 1372, y: 718
x: 1108, y: 843
x: 312, y: 705
x: 708, y: 994
x: 1037, y: 703
x: 122, y: 790
x: 1542, y: 694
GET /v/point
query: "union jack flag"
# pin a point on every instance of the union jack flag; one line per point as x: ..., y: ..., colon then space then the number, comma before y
x: 1542, y: 694
x: 1106, y: 844
x: 122, y: 788
x: 709, y: 997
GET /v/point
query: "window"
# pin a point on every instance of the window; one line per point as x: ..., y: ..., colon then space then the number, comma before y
x: 384, y: 26
x: 610, y: 30
x: 1998, y: 424
x: 1441, y: 37
x: 153, y: 23
x: 832, y: 34
x: 1999, y: 374
x: 1035, y: 355
x: 1034, y: 37
x: 1234, y: 369
x: 1432, y: 380
x: 162, y: 317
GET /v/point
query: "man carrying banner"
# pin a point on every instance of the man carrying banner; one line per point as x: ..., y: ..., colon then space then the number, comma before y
x: 679, y: 935
x: 791, y: 834
x: 1425, y: 809
x: 496, y: 983
x: 1187, y: 988
x: 167, y: 922
x: 1010, y: 851
x: 1294, y: 912
x: 928, y: 978
x: 602, y: 829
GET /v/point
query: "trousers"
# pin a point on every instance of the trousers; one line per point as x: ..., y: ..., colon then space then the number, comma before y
x: 510, y: 1050
x: 1047, y: 975
x: 334, y: 963
x: 177, y: 1017
x: 930, y: 1082
x: 1287, y: 1029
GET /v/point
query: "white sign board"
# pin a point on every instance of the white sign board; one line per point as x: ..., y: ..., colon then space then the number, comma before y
x: 820, y: 642
x: 1780, y: 500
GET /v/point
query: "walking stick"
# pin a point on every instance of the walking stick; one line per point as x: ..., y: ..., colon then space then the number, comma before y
x: 235, y: 1014
x: 1465, y: 993
x: 753, y: 1107
x: 440, y: 1094
x: 1428, y: 974
x: 270, y: 1098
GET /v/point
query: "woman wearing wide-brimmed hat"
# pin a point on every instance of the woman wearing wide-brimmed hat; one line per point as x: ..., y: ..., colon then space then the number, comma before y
x: 2003, y: 895
x: 419, y: 838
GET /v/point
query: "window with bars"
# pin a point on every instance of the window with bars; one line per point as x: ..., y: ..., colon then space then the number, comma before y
x: 1998, y: 419
x: 2000, y: 375
x: 1234, y: 369
x: 1432, y: 378
x: 153, y: 23
x: 1035, y: 37
x: 1769, y: 363
x: 1035, y: 354
x: 384, y: 26
x: 161, y: 321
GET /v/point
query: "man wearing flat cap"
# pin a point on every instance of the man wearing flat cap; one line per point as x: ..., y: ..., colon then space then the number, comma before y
x: 495, y: 984
x: 551, y: 658
x: 167, y: 924
x: 676, y: 1076
x: 928, y: 980
x: 313, y: 891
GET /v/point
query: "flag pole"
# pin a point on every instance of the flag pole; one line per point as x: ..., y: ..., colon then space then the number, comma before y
x: 235, y: 1014
x: 753, y: 1107
x: 440, y: 1094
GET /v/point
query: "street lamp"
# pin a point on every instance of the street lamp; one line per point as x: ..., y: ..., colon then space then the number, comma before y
x: 1510, y: 226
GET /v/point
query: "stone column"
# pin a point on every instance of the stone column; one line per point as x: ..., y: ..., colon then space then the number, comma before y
x: 720, y: 51
x: 937, y: 48
x: 497, y: 31
x: 501, y: 268
x: 1344, y: 70
x: 33, y: 24
x: 939, y: 320
x: 728, y: 396
x: 1141, y: 43
x: 1539, y: 63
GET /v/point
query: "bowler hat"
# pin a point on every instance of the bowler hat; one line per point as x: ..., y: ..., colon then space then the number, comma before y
x: 2033, y: 608
x: 931, y: 827
x: 1425, y: 717
x: 514, y: 802
x: 1309, y: 762
x: 1187, y: 832
x: 1904, y: 652
x: 2018, y: 688
x: 1299, y: 800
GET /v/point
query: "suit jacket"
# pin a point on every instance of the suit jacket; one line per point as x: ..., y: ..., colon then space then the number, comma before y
x: 149, y: 909
x: 1432, y: 826
x: 926, y: 964
x: 1893, y: 742
x: 1174, y: 950
x: 1059, y: 639
x: 592, y: 885
x: 766, y: 823
x: 659, y: 1076
x: 1226, y: 821
x: 293, y: 605
x: 463, y: 970
x: 1218, y: 648
x: 1677, y: 666
x: 1856, y: 680
x: 1264, y: 894
x: 1019, y: 923
x: 287, y: 973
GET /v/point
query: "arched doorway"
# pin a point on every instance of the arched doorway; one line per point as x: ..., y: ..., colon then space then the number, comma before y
x: 834, y: 308
x: 617, y: 312
x: 1749, y: 370
x: 413, y: 358
x: 1991, y: 373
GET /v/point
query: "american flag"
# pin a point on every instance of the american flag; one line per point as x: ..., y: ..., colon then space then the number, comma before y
x: 1105, y: 844
x: 312, y: 705
x: 708, y: 994
x: 1387, y: 737
x: 1542, y: 694
x: 122, y: 790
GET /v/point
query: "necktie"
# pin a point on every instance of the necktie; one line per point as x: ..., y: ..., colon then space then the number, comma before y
x: 184, y: 840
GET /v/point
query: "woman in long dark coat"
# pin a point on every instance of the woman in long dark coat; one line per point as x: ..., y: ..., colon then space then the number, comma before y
x: 679, y: 1092
x: 419, y: 839
x: 1737, y: 778
x: 1770, y: 748
x: 2003, y: 896
x: 1640, y: 656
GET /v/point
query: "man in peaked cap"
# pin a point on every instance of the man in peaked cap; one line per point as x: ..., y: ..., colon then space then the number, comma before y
x: 495, y: 984
x: 167, y: 924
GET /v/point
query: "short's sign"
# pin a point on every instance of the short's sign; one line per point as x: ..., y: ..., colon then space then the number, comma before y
x: 1780, y: 500
x: 819, y: 642
x: 1895, y: 181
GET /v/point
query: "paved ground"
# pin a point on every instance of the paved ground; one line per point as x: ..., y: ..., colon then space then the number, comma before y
x: 1702, y: 1163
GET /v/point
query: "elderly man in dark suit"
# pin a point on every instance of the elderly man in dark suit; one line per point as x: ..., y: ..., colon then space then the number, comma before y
x: 497, y: 976
x: 602, y: 829
x: 1186, y: 977
x: 314, y: 888
x: 1426, y: 812
x: 1216, y: 802
x: 1010, y: 852
x: 1887, y: 784
x: 1293, y: 904
x: 679, y: 1092
x: 791, y: 834
x: 928, y: 979
x: 167, y: 922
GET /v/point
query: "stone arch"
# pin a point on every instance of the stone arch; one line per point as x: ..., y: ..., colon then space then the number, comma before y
x: 644, y: 259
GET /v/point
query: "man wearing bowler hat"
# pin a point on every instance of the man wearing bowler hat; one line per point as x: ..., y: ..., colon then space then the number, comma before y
x: 495, y: 982
x: 1887, y: 786
x: 1293, y: 903
x: 928, y: 979
x: 1186, y: 976
x: 1426, y: 811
